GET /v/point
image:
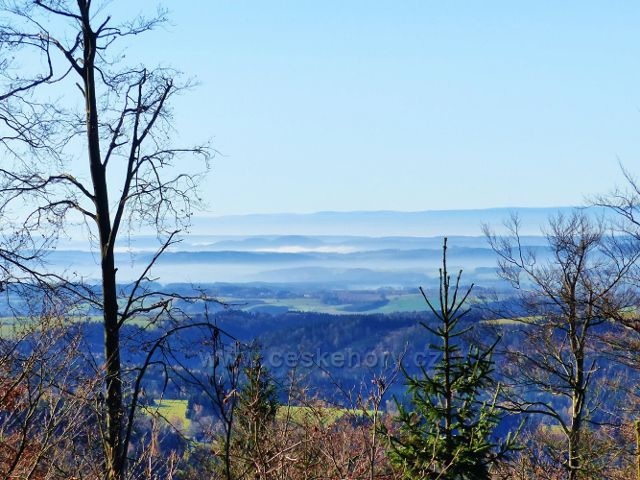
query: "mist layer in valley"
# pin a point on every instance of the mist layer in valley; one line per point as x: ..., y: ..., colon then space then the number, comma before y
x: 332, y: 262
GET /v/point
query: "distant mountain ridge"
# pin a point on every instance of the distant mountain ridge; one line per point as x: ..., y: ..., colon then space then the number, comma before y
x: 336, y: 249
x: 377, y: 223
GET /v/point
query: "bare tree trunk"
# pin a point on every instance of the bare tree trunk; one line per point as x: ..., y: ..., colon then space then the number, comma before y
x: 116, y: 465
x: 578, y: 393
x: 116, y: 458
x: 574, y: 433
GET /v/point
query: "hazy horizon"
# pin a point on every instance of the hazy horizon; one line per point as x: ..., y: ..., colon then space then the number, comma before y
x: 350, y: 250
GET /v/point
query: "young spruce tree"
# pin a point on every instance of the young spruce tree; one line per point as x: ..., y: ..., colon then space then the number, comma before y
x: 445, y: 431
x: 251, y: 447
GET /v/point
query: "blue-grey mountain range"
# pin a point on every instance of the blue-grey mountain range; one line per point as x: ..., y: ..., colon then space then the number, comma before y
x: 341, y: 249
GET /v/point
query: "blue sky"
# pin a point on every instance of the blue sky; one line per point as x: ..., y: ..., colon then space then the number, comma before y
x: 406, y: 105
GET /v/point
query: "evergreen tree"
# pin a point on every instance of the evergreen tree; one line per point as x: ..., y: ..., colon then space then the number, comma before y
x: 251, y: 446
x: 446, y: 430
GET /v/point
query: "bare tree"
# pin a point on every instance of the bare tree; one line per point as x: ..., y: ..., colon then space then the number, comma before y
x: 568, y: 298
x: 363, y: 408
x: 624, y: 344
x: 63, y: 89
x: 45, y: 401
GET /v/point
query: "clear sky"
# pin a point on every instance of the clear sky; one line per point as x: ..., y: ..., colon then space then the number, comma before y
x: 406, y: 105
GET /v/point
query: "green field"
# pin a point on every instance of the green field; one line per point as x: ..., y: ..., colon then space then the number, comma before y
x: 326, y: 416
x: 303, y: 304
x: 396, y: 303
x: 403, y: 303
x: 512, y: 321
x: 173, y: 412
